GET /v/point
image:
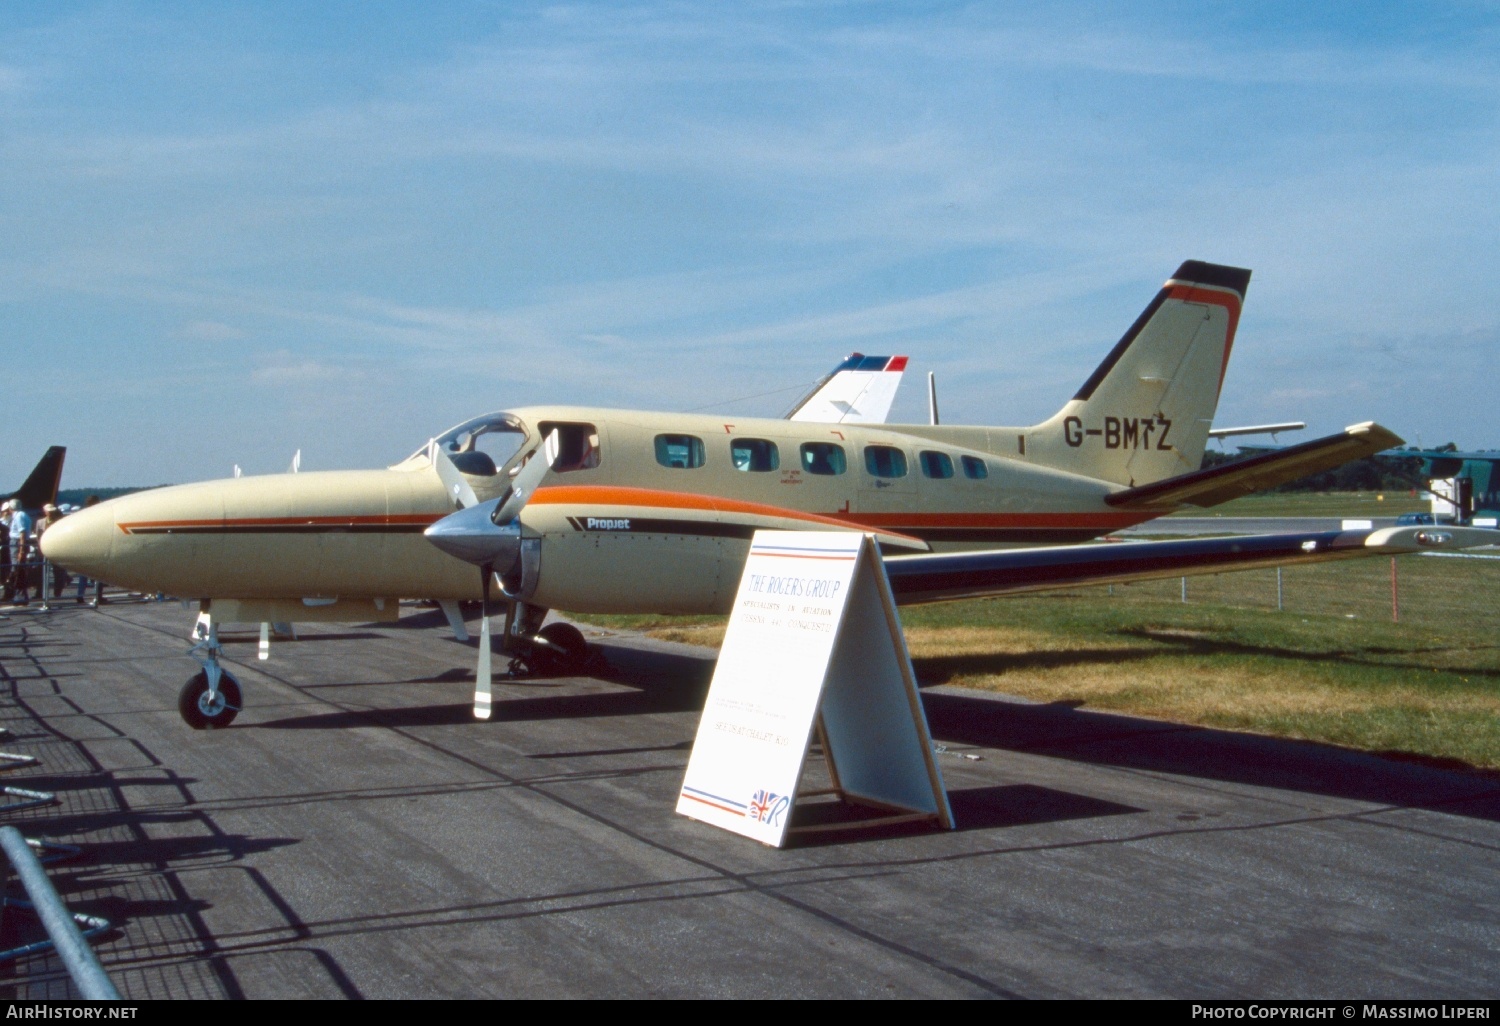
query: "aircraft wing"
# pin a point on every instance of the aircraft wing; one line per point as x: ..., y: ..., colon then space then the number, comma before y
x: 1232, y: 480
x: 943, y: 577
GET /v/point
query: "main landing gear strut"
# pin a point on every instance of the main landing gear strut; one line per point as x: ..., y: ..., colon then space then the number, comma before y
x: 211, y: 697
x: 553, y: 650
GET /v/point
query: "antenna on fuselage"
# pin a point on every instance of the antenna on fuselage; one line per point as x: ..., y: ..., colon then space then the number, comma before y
x: 932, y: 413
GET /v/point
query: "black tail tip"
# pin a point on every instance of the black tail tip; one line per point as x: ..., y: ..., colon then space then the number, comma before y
x: 1199, y: 272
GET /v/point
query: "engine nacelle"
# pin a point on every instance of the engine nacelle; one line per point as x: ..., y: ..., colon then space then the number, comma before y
x: 520, y: 581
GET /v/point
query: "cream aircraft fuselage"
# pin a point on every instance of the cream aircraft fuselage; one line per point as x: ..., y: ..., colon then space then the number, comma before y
x: 658, y: 516
x: 653, y: 512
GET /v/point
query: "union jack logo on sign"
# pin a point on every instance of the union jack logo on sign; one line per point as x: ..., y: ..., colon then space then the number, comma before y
x: 767, y: 806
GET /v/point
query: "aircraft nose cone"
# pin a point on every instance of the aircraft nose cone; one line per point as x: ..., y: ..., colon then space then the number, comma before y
x: 81, y: 542
x: 472, y: 536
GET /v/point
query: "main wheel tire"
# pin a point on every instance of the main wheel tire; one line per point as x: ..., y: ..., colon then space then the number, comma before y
x: 566, y: 650
x: 201, y: 714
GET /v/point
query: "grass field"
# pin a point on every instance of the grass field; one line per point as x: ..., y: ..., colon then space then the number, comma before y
x: 1330, y: 666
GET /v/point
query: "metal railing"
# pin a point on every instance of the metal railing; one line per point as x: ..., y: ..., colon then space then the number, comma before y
x: 63, y: 928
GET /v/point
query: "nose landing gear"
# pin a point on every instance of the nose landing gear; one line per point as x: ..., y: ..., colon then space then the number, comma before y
x: 211, y: 697
x: 206, y: 708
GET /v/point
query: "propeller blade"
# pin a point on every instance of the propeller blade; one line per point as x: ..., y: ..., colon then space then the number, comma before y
x: 482, y: 673
x: 453, y: 479
x: 526, y: 480
x: 486, y: 533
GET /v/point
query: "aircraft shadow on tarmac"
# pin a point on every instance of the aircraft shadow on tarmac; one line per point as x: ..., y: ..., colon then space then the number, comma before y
x: 941, y: 669
x: 237, y: 638
x: 661, y: 682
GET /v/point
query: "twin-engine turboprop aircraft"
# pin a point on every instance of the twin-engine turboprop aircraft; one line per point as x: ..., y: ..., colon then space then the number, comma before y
x: 598, y: 510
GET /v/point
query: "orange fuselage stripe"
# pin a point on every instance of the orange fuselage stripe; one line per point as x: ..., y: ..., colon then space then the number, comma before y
x: 651, y: 498
x: 603, y: 495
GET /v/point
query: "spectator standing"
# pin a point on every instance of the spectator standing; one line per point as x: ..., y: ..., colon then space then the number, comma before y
x: 53, y: 577
x: 5, y: 550
x: 20, y: 553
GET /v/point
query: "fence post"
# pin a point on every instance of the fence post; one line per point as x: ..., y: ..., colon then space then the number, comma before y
x: 83, y: 965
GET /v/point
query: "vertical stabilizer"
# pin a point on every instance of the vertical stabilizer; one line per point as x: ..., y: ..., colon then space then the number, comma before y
x: 1145, y: 412
x: 41, y: 484
x: 858, y: 391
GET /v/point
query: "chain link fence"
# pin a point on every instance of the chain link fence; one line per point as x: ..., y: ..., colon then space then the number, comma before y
x: 1425, y: 590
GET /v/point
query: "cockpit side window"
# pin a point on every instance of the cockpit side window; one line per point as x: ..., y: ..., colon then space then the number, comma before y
x: 578, y: 445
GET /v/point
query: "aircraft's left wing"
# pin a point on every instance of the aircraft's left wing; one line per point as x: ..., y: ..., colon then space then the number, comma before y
x: 1242, y: 477
x: 943, y: 577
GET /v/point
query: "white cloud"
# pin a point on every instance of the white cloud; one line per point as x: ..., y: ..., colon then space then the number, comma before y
x: 211, y: 331
x: 285, y: 370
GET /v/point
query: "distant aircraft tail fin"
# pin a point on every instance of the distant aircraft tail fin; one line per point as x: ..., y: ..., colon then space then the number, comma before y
x: 40, y: 486
x: 1145, y: 412
x: 858, y: 391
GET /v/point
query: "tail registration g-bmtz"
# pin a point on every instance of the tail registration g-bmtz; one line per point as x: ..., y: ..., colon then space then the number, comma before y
x: 633, y: 511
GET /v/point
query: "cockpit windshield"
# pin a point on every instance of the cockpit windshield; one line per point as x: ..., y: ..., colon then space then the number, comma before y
x: 482, y: 446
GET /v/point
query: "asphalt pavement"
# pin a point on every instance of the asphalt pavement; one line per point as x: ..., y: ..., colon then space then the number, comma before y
x: 357, y: 834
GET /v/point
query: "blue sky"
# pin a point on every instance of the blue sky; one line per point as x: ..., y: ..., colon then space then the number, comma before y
x: 231, y: 231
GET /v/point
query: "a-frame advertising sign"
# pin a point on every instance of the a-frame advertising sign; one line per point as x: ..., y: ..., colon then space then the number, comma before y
x: 813, y: 646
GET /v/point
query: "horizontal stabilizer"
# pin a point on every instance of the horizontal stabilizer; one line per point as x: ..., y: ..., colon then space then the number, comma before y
x: 1233, y: 480
x: 948, y: 576
x: 1258, y: 429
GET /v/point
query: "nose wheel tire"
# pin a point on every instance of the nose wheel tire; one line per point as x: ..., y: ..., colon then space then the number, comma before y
x: 566, y: 650
x: 201, y: 713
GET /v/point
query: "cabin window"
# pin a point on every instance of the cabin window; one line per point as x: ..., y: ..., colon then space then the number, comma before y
x: 680, y: 452
x: 578, y: 445
x: 974, y: 468
x: 825, y: 458
x: 754, y: 454
x: 936, y: 464
x: 885, y: 461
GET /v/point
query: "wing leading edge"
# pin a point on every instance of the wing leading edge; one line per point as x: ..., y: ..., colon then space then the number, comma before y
x: 948, y: 576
